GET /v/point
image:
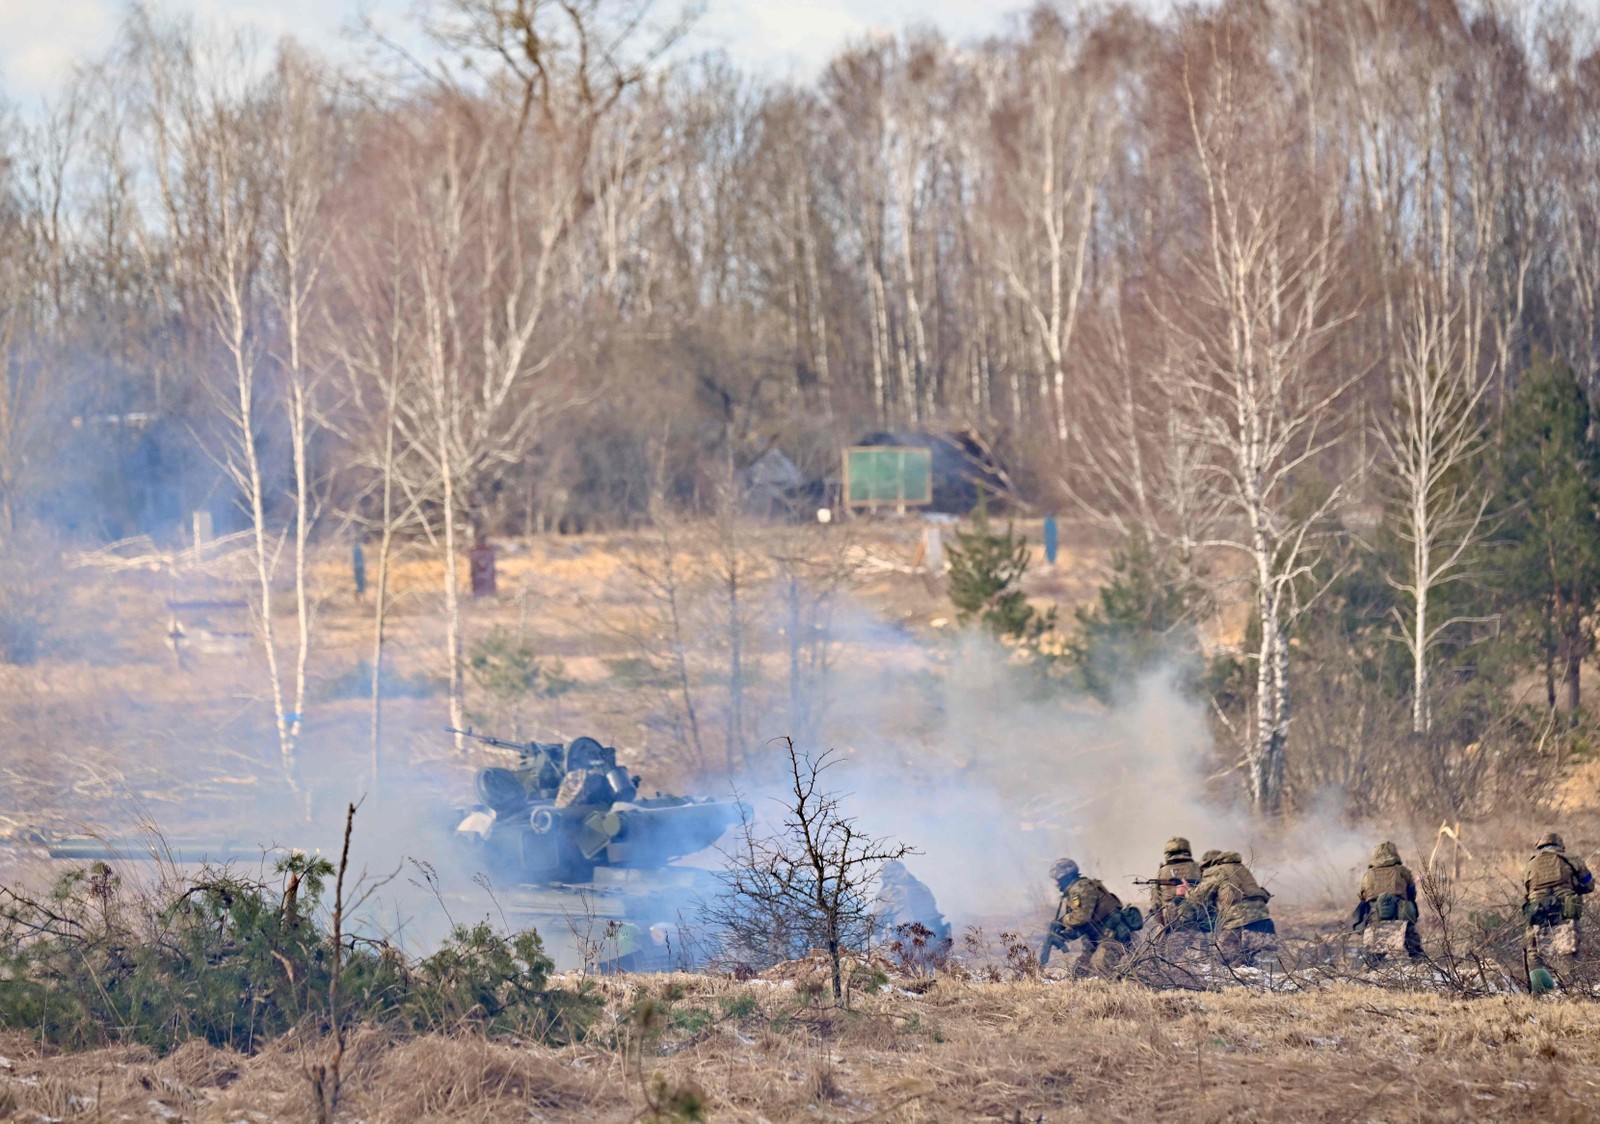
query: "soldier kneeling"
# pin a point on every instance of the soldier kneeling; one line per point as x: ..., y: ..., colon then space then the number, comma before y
x: 1175, y: 925
x: 1386, y: 913
x: 1234, y: 905
x: 1552, y: 904
x: 1092, y: 914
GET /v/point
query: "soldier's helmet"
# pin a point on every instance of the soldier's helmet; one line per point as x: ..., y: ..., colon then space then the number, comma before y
x: 1549, y: 839
x: 1210, y: 857
x: 1063, y: 870
x: 1177, y: 845
x: 1385, y: 854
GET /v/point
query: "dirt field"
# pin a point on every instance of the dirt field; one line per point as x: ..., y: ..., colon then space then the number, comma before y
x: 1042, y: 1051
x: 110, y: 730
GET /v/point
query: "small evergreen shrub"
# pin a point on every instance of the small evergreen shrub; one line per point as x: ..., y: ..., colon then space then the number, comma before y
x: 238, y: 961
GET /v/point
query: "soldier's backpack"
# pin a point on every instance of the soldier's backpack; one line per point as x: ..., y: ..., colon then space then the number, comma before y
x: 1124, y: 923
x: 1389, y: 907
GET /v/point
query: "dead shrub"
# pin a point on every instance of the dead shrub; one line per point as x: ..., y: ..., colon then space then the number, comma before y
x: 459, y: 1077
x: 200, y: 1065
x: 822, y: 1082
x: 917, y: 952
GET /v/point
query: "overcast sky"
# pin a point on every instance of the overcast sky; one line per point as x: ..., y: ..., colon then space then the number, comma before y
x: 39, y: 39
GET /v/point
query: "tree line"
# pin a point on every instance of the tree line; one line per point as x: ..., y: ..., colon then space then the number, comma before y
x: 1247, y: 283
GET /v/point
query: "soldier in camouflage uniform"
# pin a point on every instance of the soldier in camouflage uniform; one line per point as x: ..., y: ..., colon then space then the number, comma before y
x: 1090, y: 913
x: 1552, y: 903
x: 1174, y: 925
x: 904, y: 899
x: 1386, y: 913
x: 1233, y: 906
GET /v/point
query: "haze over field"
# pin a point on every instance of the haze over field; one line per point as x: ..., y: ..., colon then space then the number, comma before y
x: 1077, y: 427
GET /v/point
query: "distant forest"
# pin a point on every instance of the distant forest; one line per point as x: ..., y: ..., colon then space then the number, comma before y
x: 580, y: 276
x: 1310, y: 286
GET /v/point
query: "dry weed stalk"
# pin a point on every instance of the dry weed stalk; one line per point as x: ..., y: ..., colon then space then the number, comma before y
x: 325, y: 1077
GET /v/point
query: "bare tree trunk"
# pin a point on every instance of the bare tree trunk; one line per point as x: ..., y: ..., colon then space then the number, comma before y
x: 230, y: 276
x: 880, y: 345
x: 666, y: 587
x: 250, y: 472
x: 734, y: 572
x: 1421, y: 714
x: 816, y: 313
x: 380, y: 594
x: 452, y: 578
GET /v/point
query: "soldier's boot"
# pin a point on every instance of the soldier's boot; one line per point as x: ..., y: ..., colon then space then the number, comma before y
x: 1083, y: 963
x: 1557, y: 949
x: 1230, y: 947
x: 1106, y: 957
x: 1413, y: 942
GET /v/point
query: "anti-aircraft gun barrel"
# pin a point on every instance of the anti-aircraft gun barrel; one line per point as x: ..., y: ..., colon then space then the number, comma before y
x: 498, y: 743
x: 180, y: 851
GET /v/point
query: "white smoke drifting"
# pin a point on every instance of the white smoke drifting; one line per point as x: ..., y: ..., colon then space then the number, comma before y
x: 965, y: 756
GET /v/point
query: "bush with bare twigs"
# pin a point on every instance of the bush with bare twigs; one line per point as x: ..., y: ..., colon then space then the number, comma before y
x: 806, y: 884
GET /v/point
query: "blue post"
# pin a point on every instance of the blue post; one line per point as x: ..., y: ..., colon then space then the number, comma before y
x: 1052, y: 539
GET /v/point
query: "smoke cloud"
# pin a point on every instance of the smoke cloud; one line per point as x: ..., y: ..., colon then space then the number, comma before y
x: 961, y: 753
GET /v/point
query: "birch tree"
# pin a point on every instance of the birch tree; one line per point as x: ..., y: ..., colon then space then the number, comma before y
x: 374, y: 353
x: 1057, y: 129
x: 225, y: 146
x: 1433, y: 244
x: 1257, y: 311
x: 239, y: 174
x: 300, y: 147
x: 24, y: 383
x: 497, y: 190
x: 1433, y: 436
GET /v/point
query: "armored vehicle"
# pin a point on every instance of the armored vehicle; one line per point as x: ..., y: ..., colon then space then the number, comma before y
x: 572, y: 845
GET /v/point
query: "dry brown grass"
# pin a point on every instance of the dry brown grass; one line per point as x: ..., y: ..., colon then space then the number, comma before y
x: 962, y: 1051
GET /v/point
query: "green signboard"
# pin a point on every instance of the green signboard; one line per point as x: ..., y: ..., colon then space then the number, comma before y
x: 876, y: 475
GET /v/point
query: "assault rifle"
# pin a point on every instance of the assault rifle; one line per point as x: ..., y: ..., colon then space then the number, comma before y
x: 1056, y: 937
x: 1166, y: 882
